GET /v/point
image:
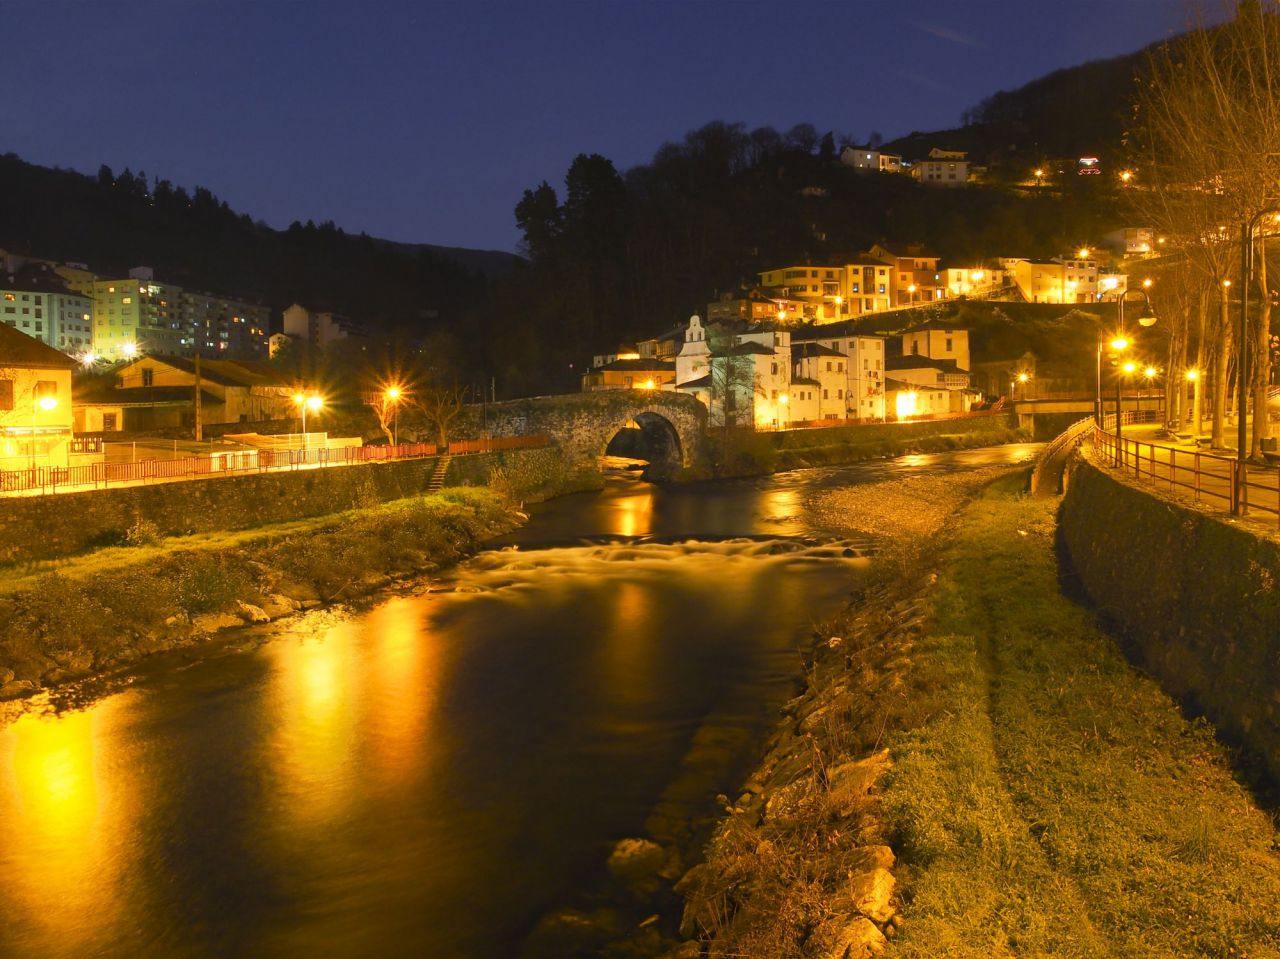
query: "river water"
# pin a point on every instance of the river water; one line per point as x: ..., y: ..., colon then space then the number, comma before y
x: 431, y: 774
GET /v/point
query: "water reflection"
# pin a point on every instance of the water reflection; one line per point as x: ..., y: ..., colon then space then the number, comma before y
x: 66, y: 826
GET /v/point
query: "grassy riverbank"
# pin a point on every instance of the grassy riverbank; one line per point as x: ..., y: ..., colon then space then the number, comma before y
x: 105, y: 609
x: 1041, y: 795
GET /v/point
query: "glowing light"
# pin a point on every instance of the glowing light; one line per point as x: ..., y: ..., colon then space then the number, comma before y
x: 1226, y: 284
x: 314, y: 402
x: 1126, y: 175
x: 299, y: 398
x: 784, y: 399
x: 976, y: 275
x: 1110, y: 283
x: 1119, y: 343
x: 47, y: 403
x: 1150, y: 372
x: 1039, y: 173
x: 648, y: 384
x: 1130, y: 367
x: 1193, y: 375
x: 911, y: 288
x: 839, y: 300
x: 1023, y: 377
x: 1147, y: 283
x: 628, y: 356
x: 393, y: 393
x: 1084, y: 252
x: 88, y: 358
x: 782, y: 314
x: 906, y: 404
x: 129, y: 349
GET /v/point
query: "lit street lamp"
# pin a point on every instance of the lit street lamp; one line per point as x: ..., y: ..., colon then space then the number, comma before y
x: 393, y: 395
x: 307, y: 401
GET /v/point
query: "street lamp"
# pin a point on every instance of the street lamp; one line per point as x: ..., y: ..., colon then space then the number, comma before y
x: 392, y: 395
x: 1150, y: 373
x: 307, y: 401
x: 1039, y: 175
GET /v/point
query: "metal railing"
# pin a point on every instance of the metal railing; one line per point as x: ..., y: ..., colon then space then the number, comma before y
x: 1049, y: 456
x: 1211, y: 478
x: 43, y: 480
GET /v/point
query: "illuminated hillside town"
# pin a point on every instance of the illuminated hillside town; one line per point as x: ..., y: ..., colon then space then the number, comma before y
x: 560, y: 486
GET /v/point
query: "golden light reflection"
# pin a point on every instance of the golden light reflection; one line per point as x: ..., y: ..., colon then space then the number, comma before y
x: 403, y: 668
x: 315, y: 695
x: 65, y: 823
x: 634, y: 515
x: 629, y: 657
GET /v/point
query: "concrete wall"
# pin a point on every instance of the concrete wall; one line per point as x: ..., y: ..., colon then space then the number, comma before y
x: 1197, y: 597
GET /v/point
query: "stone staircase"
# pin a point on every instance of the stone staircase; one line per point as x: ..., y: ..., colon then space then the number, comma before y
x: 437, y: 478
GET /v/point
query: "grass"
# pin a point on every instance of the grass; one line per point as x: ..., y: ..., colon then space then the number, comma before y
x: 1058, y: 803
x: 104, y: 608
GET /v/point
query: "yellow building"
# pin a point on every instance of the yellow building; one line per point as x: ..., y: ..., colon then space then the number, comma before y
x: 914, y: 274
x: 821, y: 288
x: 35, y: 403
x: 631, y: 373
x: 1066, y: 279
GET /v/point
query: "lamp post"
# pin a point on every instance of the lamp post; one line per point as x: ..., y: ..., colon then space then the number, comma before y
x: 392, y: 395
x: 1120, y: 343
x: 307, y: 401
x: 1124, y: 369
x: 1150, y: 374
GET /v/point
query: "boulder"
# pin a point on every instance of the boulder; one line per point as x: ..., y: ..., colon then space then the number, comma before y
x: 867, y: 858
x: 872, y: 893
x: 250, y: 613
x: 847, y: 939
x: 6, y: 675
x: 212, y: 622
x: 636, y: 859
x: 850, y: 783
x: 16, y: 688
x: 278, y: 605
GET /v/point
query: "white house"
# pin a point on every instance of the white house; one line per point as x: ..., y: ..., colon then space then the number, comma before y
x: 870, y: 160
x: 744, y: 374
x: 819, y: 380
x: 864, y: 370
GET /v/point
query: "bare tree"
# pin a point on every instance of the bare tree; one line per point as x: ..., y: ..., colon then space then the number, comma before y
x: 440, y: 406
x: 1208, y: 141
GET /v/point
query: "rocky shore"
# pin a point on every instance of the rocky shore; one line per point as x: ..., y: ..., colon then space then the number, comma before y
x: 801, y: 864
x: 92, y: 618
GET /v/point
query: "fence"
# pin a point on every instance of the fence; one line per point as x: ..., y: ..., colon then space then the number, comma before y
x: 1050, y: 457
x: 52, y: 479
x: 1211, y: 478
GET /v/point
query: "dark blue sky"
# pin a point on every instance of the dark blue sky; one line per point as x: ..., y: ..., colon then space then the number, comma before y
x: 425, y: 121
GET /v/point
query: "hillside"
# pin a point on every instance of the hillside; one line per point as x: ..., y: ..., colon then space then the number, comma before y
x: 115, y: 222
x: 1072, y: 112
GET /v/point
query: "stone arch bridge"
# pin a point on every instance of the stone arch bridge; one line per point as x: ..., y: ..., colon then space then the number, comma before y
x: 673, y: 427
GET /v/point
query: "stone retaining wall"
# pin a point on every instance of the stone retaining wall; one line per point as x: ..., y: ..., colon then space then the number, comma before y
x: 36, y: 528
x: 1195, y: 595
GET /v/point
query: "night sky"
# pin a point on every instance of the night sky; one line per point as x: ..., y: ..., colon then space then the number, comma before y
x: 425, y: 121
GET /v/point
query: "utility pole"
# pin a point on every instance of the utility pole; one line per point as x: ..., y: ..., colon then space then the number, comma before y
x: 199, y: 432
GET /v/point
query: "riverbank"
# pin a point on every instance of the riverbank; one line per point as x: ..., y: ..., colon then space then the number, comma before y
x: 106, y: 610
x: 976, y: 770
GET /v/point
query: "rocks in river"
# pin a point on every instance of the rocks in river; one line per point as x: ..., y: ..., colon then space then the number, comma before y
x: 636, y: 860
x: 571, y: 932
x: 278, y: 604
x: 250, y: 613
x: 17, y: 688
x: 212, y: 622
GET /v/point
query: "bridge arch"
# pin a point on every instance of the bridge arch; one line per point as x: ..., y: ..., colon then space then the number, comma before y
x: 650, y: 437
x: 582, y: 425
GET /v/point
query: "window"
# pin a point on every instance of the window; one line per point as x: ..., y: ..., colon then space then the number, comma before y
x: 881, y: 287
x: 126, y: 300
x: 825, y: 394
x: 6, y: 394
x: 828, y: 366
x: 866, y: 364
x: 839, y: 394
x: 9, y: 297
x: 773, y: 368
x: 108, y: 422
x: 149, y: 377
x: 949, y: 346
x: 45, y: 388
x: 840, y: 367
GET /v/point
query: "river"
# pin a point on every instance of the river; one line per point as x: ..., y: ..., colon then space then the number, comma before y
x: 429, y: 775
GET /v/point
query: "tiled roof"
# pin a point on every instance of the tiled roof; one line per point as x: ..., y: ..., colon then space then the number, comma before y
x: 19, y: 350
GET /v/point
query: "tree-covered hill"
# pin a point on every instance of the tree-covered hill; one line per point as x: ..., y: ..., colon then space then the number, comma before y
x: 114, y: 222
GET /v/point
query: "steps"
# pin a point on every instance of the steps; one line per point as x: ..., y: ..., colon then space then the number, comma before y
x: 437, y: 478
